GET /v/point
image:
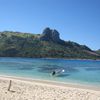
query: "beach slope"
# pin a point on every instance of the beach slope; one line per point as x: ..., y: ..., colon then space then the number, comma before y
x: 38, y: 90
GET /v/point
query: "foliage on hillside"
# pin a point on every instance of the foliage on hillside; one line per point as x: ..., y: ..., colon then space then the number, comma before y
x: 98, y: 51
x: 16, y: 44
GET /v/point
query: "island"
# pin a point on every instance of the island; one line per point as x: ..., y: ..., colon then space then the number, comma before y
x: 44, y: 45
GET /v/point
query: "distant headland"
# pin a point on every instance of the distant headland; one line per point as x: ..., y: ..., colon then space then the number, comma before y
x: 45, y: 45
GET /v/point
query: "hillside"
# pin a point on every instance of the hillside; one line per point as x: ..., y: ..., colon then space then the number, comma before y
x: 98, y: 51
x: 47, y: 44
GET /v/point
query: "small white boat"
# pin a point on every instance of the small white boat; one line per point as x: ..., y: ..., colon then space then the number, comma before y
x: 57, y: 72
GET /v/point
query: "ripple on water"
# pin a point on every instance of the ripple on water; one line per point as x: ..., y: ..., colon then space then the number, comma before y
x: 50, y: 68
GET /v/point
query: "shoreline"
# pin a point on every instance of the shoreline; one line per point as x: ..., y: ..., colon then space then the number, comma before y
x: 50, y: 82
x: 56, y: 58
x: 17, y: 88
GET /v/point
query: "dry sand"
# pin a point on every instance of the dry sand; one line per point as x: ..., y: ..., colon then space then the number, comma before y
x: 25, y: 89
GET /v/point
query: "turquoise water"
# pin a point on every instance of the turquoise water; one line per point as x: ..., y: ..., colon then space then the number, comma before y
x: 77, y: 71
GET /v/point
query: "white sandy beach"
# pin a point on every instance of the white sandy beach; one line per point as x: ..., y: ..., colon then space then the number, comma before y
x: 22, y: 89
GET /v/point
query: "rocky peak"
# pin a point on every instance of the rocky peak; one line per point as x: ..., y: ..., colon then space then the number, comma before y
x: 46, y: 31
x: 50, y: 35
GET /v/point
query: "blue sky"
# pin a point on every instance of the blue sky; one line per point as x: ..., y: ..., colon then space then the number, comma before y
x: 76, y: 20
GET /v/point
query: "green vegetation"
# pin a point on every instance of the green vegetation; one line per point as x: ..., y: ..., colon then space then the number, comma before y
x: 98, y: 51
x: 16, y: 44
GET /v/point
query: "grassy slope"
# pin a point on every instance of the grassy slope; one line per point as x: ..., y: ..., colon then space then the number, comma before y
x: 29, y: 45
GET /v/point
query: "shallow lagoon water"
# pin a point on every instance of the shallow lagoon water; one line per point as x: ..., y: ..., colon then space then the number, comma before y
x: 76, y: 71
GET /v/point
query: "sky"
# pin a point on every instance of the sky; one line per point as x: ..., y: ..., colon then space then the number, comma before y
x: 75, y: 20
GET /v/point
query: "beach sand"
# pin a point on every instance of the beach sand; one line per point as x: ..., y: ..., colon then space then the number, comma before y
x: 27, y: 89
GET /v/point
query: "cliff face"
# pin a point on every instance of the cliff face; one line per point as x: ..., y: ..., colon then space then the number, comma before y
x: 50, y: 35
x: 47, y: 44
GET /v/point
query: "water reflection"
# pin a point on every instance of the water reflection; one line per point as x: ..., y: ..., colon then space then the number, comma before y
x: 50, y: 68
x: 25, y: 68
x: 63, y: 75
x: 92, y: 69
x: 17, y: 65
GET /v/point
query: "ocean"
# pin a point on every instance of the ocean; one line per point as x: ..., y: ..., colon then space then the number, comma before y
x: 75, y: 71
